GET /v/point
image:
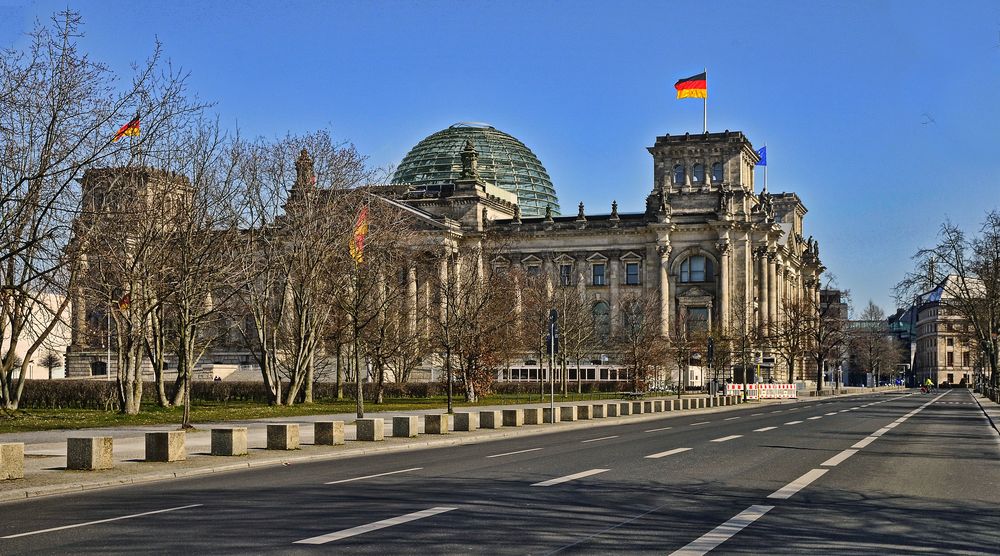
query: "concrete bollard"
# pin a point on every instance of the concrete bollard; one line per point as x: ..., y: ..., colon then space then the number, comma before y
x: 11, y: 461
x: 328, y: 433
x: 625, y: 408
x: 612, y: 409
x: 685, y: 403
x: 658, y: 406
x: 437, y: 423
x: 547, y: 415
x: 404, y: 426
x: 513, y: 417
x: 598, y: 410
x: 466, y: 421
x: 637, y: 408
x: 583, y: 412
x: 229, y: 441
x: 90, y: 453
x: 533, y: 416
x: 491, y: 419
x: 647, y: 406
x: 370, y: 429
x: 568, y: 413
x: 668, y: 405
x: 165, y: 446
x: 283, y: 436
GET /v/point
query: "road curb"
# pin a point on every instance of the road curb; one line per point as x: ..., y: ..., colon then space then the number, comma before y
x: 986, y: 413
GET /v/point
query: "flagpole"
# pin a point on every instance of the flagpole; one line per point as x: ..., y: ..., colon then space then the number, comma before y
x: 704, y: 111
x: 765, y: 169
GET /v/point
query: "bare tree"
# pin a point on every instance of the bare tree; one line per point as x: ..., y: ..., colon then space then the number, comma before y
x: 576, y: 323
x: 827, y: 328
x: 51, y: 361
x: 58, y: 114
x: 967, y: 269
x: 638, y: 339
x: 789, y: 337
x: 682, y: 341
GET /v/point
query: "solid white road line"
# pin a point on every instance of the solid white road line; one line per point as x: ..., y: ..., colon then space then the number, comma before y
x: 793, y: 422
x: 598, y: 439
x: 856, y: 407
x: 567, y: 478
x: 816, y: 417
x: 659, y: 429
x: 659, y: 455
x: 709, y: 541
x: 701, y: 423
x: 864, y: 442
x: 517, y: 452
x: 837, y: 459
x: 362, y: 529
x: 373, y: 476
x: 765, y: 429
x: 880, y: 432
x: 99, y: 521
x: 798, y: 484
x: 831, y: 413
x: 726, y: 438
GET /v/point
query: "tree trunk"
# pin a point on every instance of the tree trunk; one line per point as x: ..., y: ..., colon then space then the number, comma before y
x: 819, y: 375
x: 359, y: 392
x: 340, y: 374
x: 310, y: 376
x: 380, y: 387
x: 451, y: 381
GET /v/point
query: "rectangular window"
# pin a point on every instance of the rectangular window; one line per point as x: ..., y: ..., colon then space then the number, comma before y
x: 566, y: 274
x: 966, y: 360
x: 534, y: 270
x: 604, y: 374
x: 951, y: 359
x: 598, y: 272
x: 951, y: 378
x: 632, y: 274
x: 951, y: 342
x: 697, y: 319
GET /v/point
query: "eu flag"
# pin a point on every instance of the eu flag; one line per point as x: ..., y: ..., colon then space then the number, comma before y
x: 762, y: 152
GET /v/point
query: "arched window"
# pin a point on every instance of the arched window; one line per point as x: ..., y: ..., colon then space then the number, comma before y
x: 679, y: 174
x: 717, y: 172
x: 602, y: 320
x: 696, y: 268
x: 698, y: 174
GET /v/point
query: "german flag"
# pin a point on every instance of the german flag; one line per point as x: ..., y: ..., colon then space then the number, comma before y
x: 357, y: 242
x: 131, y: 129
x: 695, y: 86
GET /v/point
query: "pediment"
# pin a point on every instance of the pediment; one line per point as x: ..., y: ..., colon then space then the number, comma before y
x: 531, y: 259
x: 694, y: 292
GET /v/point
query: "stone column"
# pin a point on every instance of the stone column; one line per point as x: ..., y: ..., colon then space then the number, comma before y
x: 664, y: 283
x: 613, y: 297
x: 411, y: 298
x: 772, y: 279
x: 762, y: 283
x: 443, y: 272
x: 724, y: 249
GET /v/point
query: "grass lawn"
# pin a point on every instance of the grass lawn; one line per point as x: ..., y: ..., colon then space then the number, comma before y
x: 204, y: 412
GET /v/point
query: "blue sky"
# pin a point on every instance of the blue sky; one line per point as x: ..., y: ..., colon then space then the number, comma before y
x: 881, y: 115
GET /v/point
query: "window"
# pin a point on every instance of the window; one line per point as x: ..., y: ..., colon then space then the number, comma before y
x: 717, y: 172
x: 632, y: 318
x: 697, y: 319
x: 602, y: 320
x: 566, y: 274
x: 951, y: 360
x: 98, y: 368
x: 598, y: 274
x: 951, y: 342
x: 534, y: 270
x: 966, y: 361
x: 696, y: 269
x: 679, y: 174
x: 632, y: 274
x: 698, y: 174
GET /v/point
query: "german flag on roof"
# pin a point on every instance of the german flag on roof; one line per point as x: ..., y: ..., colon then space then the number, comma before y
x: 695, y: 86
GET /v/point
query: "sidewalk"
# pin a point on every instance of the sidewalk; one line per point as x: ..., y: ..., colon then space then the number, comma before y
x: 990, y: 408
x: 45, y: 451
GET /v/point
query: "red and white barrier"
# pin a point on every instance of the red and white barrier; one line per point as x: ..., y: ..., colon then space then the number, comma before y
x: 764, y: 391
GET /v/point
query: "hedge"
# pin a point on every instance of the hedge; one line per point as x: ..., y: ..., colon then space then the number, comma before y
x: 99, y: 394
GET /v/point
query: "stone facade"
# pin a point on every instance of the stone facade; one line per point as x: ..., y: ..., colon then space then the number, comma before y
x: 708, y: 246
x: 945, y: 347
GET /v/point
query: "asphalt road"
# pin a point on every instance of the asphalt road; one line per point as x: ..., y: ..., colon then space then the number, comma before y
x: 892, y: 474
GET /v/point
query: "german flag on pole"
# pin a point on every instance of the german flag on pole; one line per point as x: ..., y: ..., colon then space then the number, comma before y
x: 131, y: 129
x: 695, y: 86
x: 357, y: 243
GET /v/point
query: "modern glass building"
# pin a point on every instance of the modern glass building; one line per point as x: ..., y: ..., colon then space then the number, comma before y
x: 503, y: 161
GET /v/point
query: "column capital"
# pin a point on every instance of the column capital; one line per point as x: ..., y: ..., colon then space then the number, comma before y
x: 724, y: 246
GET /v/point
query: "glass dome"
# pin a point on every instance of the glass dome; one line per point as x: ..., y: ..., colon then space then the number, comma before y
x: 503, y: 161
